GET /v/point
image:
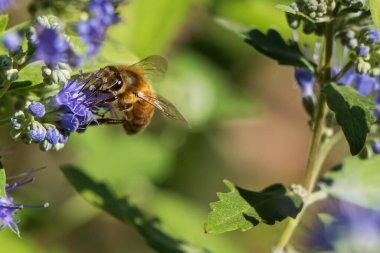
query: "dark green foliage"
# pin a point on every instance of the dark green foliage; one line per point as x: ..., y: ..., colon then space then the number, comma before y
x: 102, y: 197
x: 242, y: 209
x: 353, y: 113
x: 275, y: 47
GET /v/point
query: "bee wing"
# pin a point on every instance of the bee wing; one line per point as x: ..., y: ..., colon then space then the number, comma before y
x: 153, y: 67
x: 166, y: 107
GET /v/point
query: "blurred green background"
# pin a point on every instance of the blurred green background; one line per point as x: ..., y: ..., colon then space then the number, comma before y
x: 247, y: 126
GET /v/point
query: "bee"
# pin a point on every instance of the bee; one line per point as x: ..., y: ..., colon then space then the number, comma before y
x: 128, y: 91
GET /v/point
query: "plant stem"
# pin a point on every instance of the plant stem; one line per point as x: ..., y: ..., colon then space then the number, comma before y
x: 5, y: 88
x: 316, y: 156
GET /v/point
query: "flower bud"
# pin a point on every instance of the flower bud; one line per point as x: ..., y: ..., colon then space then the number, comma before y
x: 37, y: 132
x: 36, y: 109
x: 11, y: 75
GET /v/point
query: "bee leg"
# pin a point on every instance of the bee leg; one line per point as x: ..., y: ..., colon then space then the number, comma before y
x: 82, y: 129
x: 108, y: 121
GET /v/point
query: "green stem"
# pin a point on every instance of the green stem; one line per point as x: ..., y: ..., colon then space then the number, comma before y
x: 316, y: 154
x: 324, y: 151
x: 343, y: 71
x: 4, y: 90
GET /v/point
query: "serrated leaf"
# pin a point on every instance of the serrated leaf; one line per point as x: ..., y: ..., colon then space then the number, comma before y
x: 3, y: 23
x: 374, y: 6
x: 353, y: 113
x: 275, y: 47
x: 355, y: 181
x: 288, y: 9
x: 99, y: 195
x: 242, y: 209
x: 3, y: 180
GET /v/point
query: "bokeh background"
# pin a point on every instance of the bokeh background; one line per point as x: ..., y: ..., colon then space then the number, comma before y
x: 248, y: 126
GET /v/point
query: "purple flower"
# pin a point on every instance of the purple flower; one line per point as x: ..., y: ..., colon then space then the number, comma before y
x: 376, y: 146
x: 4, y: 4
x: 51, y: 47
x: 363, y: 51
x: 373, y: 36
x: 37, y: 109
x: 93, y: 31
x: 37, y: 133
x: 103, y: 11
x: 92, y: 34
x: 69, y: 122
x: 8, y: 209
x: 76, y: 105
x: 305, y: 80
x: 365, y: 84
x: 12, y: 41
x: 52, y: 135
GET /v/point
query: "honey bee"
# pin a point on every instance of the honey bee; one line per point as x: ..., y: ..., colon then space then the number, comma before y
x: 129, y: 92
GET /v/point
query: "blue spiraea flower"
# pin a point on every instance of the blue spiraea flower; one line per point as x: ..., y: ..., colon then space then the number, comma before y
x: 51, y: 46
x: 8, y: 209
x: 50, y: 122
x: 12, y: 41
x: 93, y: 30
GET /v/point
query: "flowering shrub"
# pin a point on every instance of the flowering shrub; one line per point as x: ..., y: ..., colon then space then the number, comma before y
x: 49, y: 65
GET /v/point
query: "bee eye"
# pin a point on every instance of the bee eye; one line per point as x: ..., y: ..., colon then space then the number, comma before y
x: 117, y: 85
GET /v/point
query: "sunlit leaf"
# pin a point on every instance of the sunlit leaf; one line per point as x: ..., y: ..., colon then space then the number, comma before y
x: 102, y: 197
x: 374, y: 6
x: 242, y: 209
x: 3, y: 23
x: 353, y: 113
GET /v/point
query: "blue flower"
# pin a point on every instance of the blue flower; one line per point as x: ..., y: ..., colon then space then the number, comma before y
x: 38, y: 132
x: 4, y: 4
x: 373, y: 36
x: 69, y: 122
x: 363, y: 51
x: 365, y: 84
x: 12, y: 41
x: 93, y: 31
x: 51, y: 47
x: 376, y: 146
x: 8, y: 209
x: 75, y: 105
x: 305, y: 80
x: 37, y: 109
x: 52, y: 135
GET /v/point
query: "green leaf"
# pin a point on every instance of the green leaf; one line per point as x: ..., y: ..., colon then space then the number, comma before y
x: 242, y: 209
x: 99, y: 195
x: 288, y: 9
x: 355, y: 181
x: 275, y: 47
x: 3, y: 179
x: 353, y: 113
x: 3, y: 23
x: 374, y: 6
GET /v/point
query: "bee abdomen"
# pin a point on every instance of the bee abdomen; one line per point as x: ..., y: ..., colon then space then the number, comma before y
x: 138, y: 118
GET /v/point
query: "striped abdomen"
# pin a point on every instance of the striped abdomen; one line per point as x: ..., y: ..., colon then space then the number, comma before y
x: 138, y: 117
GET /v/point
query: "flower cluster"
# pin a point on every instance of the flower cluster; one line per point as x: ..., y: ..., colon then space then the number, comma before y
x: 8, y: 209
x: 362, y: 38
x: 72, y: 109
x: 92, y: 31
